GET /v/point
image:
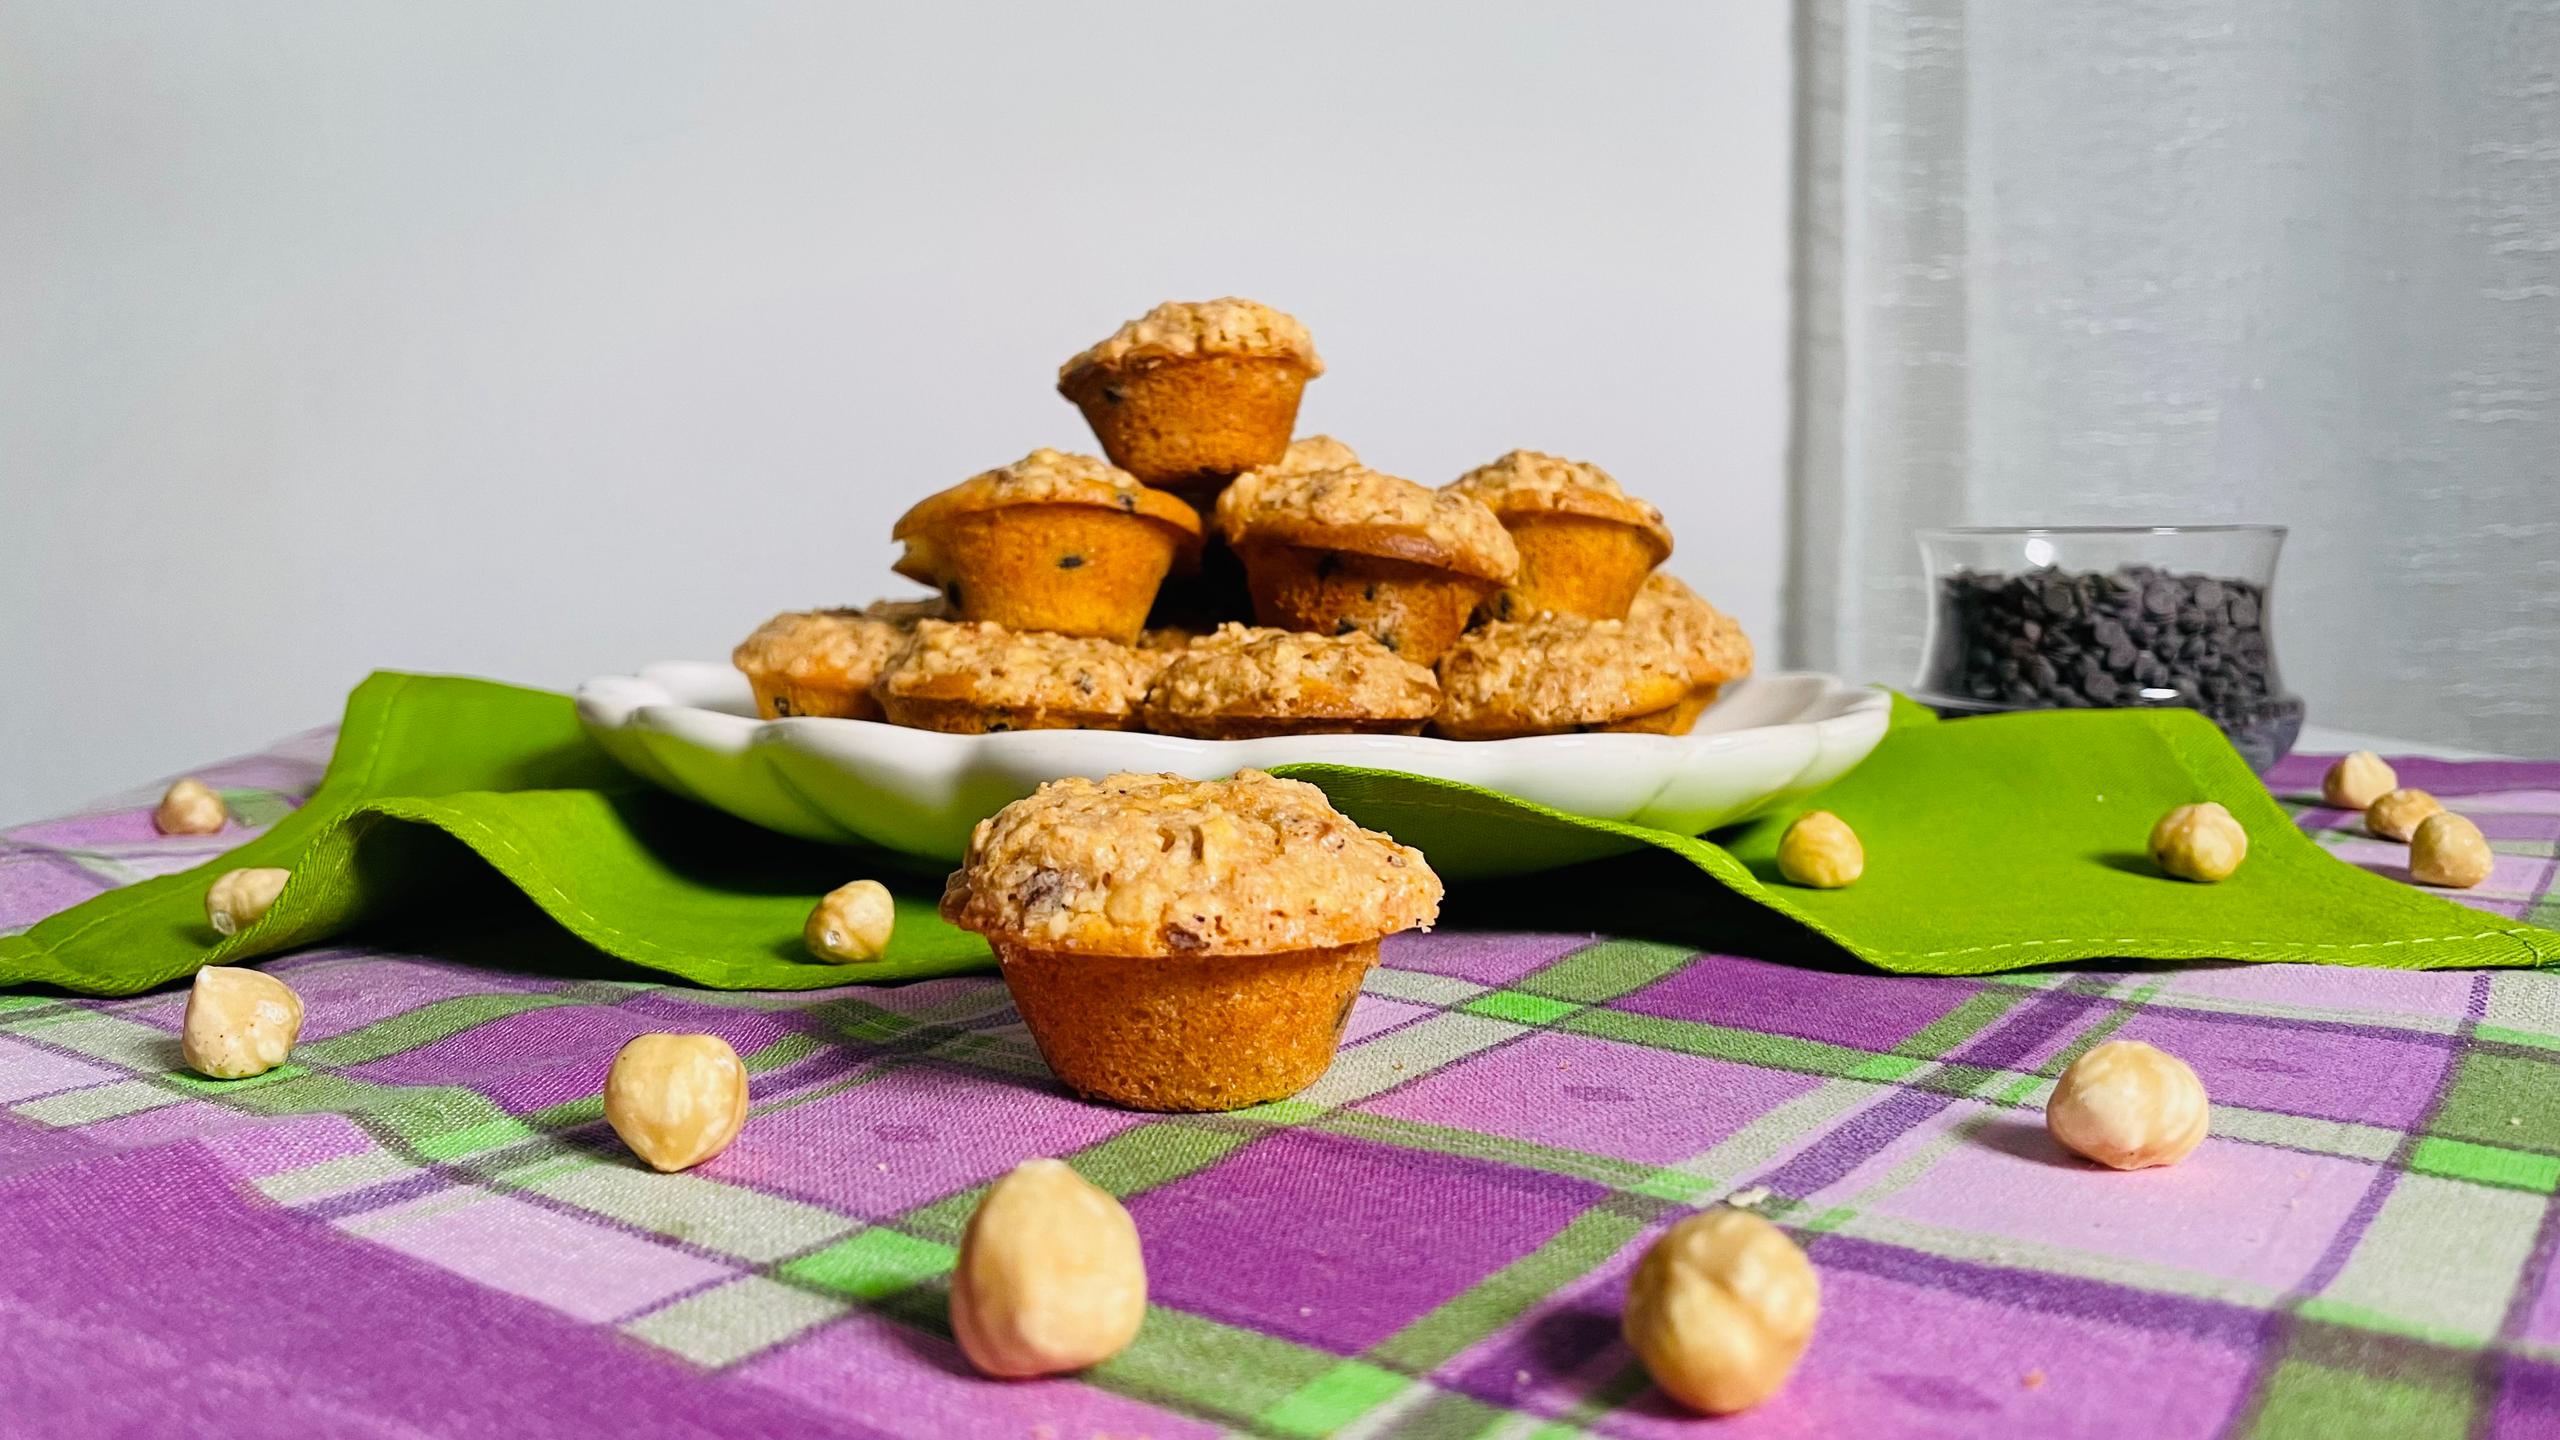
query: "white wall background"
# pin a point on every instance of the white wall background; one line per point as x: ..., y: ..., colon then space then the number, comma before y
x: 538, y: 341
x: 2161, y: 261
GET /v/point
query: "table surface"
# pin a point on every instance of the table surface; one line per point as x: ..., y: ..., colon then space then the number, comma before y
x: 422, y: 1227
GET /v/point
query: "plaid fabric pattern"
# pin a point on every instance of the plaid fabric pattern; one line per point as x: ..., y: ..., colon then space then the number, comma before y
x: 422, y: 1226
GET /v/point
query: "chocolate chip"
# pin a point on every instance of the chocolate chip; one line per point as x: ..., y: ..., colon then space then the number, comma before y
x: 1183, y: 938
x: 1070, y: 562
x: 781, y: 706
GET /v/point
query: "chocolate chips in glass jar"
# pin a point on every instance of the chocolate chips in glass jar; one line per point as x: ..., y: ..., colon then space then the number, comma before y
x: 2079, y: 639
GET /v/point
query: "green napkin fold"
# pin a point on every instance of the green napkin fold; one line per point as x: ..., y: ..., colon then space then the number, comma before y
x: 1992, y: 844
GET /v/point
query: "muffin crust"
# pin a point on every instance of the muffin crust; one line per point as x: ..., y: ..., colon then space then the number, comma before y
x: 1527, y: 482
x: 1048, y: 477
x: 949, y: 674
x: 1250, y: 680
x: 1707, y: 639
x: 1156, y: 865
x: 1554, y: 674
x: 1372, y: 513
x: 1182, y: 329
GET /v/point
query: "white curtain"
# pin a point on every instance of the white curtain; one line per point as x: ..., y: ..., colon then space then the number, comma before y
x: 2154, y: 261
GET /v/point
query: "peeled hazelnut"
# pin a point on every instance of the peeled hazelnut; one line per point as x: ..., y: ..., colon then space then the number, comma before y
x: 852, y: 924
x: 1821, y: 851
x: 239, y: 1023
x: 238, y: 899
x: 2449, y: 850
x: 190, y: 808
x: 676, y: 1100
x: 2199, y: 842
x: 2396, y: 816
x: 1720, y: 1310
x: 2129, y: 1105
x: 2358, y: 780
x: 1049, y: 1277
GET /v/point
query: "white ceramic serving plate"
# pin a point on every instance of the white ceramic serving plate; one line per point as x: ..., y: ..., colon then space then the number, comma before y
x: 692, y: 728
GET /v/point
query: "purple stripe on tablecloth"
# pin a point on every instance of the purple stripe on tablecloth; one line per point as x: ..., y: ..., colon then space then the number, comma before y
x: 2528, y: 1403
x: 2071, y: 1295
x: 1848, y: 1146
x: 2028, y: 1028
x: 192, y: 1306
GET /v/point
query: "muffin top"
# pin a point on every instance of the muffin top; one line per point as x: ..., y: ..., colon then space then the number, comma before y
x: 1181, y: 329
x: 1714, y: 647
x: 819, y: 647
x: 1525, y: 483
x: 1017, y: 669
x: 1314, y: 452
x: 1048, y: 477
x: 1557, y: 672
x: 1244, y: 670
x: 1159, y: 865
x: 1359, y: 509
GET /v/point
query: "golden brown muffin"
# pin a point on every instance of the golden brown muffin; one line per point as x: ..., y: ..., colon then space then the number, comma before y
x: 1193, y: 393
x: 1710, y: 643
x: 1562, y: 673
x: 971, y: 678
x: 817, y: 662
x: 1585, y: 544
x: 1185, y: 945
x: 1341, y: 550
x: 1242, y: 683
x: 1050, y: 542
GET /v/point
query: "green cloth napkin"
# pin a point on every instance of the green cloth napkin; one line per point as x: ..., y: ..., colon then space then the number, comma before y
x: 1991, y: 844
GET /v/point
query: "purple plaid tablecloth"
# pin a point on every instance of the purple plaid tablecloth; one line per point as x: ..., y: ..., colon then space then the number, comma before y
x: 422, y: 1227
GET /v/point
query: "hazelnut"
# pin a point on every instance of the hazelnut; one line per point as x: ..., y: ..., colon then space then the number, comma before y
x: 190, y: 808
x: 239, y: 1023
x: 238, y: 899
x: 1821, y: 851
x: 2199, y: 842
x: 2128, y: 1105
x: 1049, y: 1278
x: 2395, y: 816
x: 2358, y: 780
x: 852, y: 924
x: 676, y: 1100
x: 1720, y: 1309
x: 2449, y: 850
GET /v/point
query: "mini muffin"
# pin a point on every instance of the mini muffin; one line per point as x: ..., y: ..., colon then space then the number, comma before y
x: 1710, y: 643
x: 1189, y: 395
x: 1185, y: 945
x: 817, y: 662
x: 1585, y: 544
x: 1243, y: 683
x: 971, y: 678
x: 1050, y: 542
x: 1352, y: 549
x: 1562, y: 673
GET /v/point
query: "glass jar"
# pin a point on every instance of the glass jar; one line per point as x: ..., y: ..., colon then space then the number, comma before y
x: 2086, y: 617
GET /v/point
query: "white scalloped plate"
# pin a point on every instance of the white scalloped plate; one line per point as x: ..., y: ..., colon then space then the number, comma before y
x: 692, y: 728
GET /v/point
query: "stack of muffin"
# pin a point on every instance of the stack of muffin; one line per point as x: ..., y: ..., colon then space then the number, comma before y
x: 1521, y: 598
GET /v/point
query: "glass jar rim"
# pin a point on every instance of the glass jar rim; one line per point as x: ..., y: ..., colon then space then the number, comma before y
x: 2215, y: 529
